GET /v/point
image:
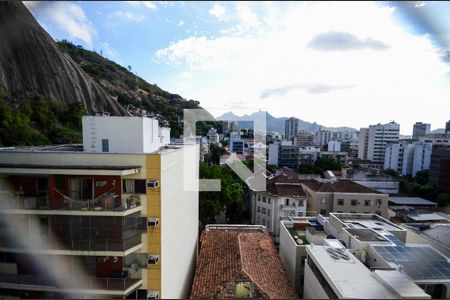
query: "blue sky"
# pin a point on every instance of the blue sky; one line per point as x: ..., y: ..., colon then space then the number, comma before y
x: 351, y: 64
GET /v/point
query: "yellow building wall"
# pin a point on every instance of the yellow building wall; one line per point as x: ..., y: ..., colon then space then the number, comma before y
x: 153, y: 171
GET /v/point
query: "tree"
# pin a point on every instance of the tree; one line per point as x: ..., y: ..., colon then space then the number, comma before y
x: 443, y: 199
x: 391, y: 172
x: 421, y: 177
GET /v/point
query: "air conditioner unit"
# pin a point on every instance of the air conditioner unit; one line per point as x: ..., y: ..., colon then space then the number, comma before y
x: 153, y: 259
x: 152, y: 184
x: 153, y: 295
x: 152, y: 222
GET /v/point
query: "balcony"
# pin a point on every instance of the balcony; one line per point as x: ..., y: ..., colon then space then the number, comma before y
x: 85, y: 285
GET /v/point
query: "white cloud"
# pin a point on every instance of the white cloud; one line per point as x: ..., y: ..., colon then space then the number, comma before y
x: 69, y: 16
x: 269, y: 48
x: 180, y: 23
x: 148, y: 4
x: 127, y: 16
x: 219, y: 12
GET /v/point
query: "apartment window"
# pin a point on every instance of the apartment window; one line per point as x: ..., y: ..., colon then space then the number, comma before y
x: 82, y: 188
x: 268, y: 200
x: 268, y: 224
x: 323, y: 201
x: 263, y: 210
x: 323, y: 212
x: 268, y: 212
x: 323, y: 282
x: 340, y: 202
x: 379, y: 202
x: 60, y: 183
x: 259, y: 209
x: 367, y: 202
x: 258, y: 198
x: 134, y: 186
x: 287, y: 202
x: 354, y: 202
x: 264, y: 199
x: 105, y: 145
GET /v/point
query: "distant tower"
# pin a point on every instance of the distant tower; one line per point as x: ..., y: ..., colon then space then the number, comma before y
x: 447, y: 127
x: 420, y: 129
x: 290, y: 128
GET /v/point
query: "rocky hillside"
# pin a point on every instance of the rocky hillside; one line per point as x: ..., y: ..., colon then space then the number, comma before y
x: 131, y: 91
x: 31, y: 63
x: 46, y: 86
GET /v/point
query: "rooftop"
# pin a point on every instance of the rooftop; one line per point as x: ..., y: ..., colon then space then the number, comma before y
x: 373, y: 221
x: 440, y: 233
x: 427, y: 217
x: 349, y: 278
x: 337, y: 186
x: 420, y: 263
x: 366, y: 235
x: 232, y: 254
x: 416, y: 201
x: 285, y: 183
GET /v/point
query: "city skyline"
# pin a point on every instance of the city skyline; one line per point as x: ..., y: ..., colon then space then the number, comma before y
x: 365, y: 63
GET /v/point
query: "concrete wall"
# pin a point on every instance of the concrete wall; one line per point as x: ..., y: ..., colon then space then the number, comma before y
x: 291, y: 256
x: 312, y: 289
x: 179, y: 222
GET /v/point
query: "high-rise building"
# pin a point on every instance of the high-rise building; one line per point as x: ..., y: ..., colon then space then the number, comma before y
x: 290, y: 128
x: 100, y: 224
x: 420, y: 129
x: 322, y: 136
x: 447, y: 127
x: 422, y: 157
x: 373, y: 140
x: 440, y: 168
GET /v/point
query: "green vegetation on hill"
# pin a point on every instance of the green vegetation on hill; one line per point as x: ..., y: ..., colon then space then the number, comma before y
x: 38, y: 121
x: 129, y: 88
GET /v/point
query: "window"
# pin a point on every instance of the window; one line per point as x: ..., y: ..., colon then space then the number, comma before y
x: 367, y: 202
x: 323, y: 201
x: 354, y: 202
x: 264, y: 199
x: 287, y: 202
x: 258, y: 209
x: 323, y: 212
x: 243, y: 289
x: 379, y: 202
x: 263, y: 210
x: 268, y: 212
x: 134, y: 186
x: 268, y: 200
x: 340, y: 202
x: 82, y: 189
x: 105, y: 145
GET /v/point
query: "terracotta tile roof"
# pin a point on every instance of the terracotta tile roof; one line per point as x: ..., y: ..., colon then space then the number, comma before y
x: 231, y: 255
x: 286, y: 183
x: 339, y: 186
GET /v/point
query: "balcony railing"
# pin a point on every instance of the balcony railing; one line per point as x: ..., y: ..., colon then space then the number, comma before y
x: 79, y: 245
x: 120, y: 284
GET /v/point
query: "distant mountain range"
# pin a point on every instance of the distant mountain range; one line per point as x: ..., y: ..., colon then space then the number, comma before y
x: 276, y: 124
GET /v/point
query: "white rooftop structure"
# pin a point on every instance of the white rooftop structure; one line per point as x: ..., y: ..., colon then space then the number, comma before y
x: 427, y: 217
x: 350, y: 279
x: 123, y: 134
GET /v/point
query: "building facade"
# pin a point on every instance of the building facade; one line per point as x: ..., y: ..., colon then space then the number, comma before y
x: 440, y: 168
x: 373, y: 140
x: 290, y: 128
x: 303, y: 138
x: 283, y: 198
x: 340, y: 195
x: 98, y: 224
x: 420, y: 129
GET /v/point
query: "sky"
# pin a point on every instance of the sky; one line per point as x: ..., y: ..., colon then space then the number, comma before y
x: 338, y: 64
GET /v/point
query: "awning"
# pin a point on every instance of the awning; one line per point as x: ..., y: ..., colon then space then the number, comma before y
x: 14, y: 169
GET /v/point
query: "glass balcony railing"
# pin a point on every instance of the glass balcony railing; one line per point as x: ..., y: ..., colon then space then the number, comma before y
x: 119, y: 284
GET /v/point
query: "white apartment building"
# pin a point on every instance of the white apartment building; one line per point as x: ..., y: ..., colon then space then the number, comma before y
x: 408, y: 158
x: 399, y: 157
x: 334, y: 146
x: 373, y: 140
x: 123, y: 134
x: 284, y: 197
x: 322, y: 136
